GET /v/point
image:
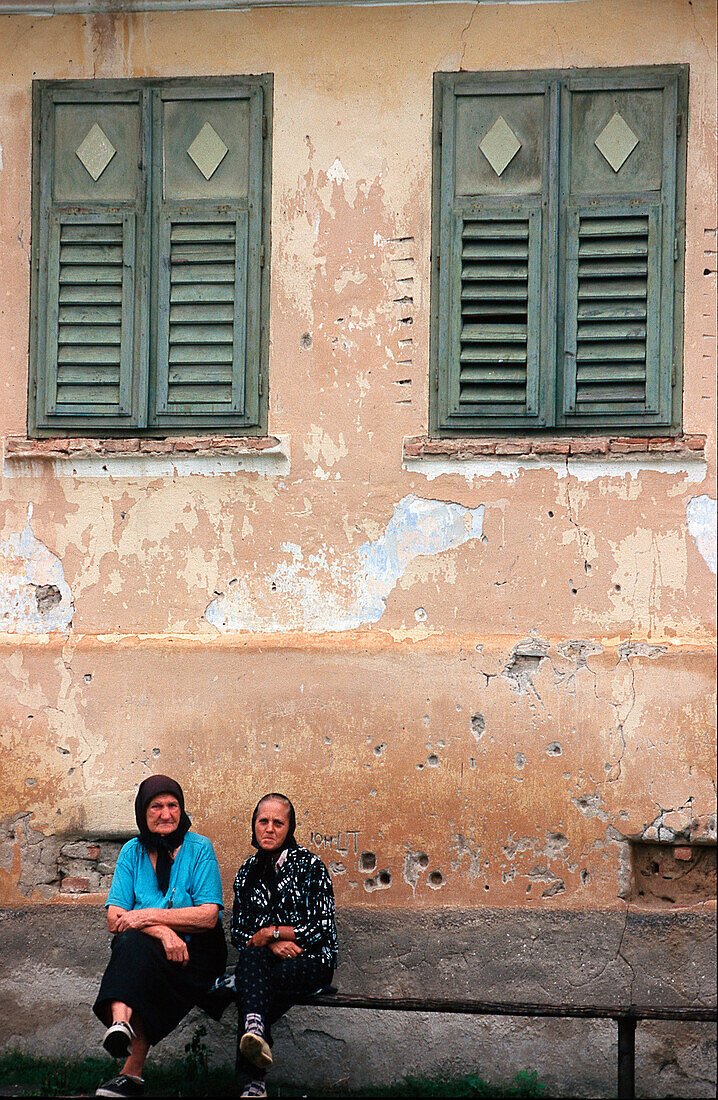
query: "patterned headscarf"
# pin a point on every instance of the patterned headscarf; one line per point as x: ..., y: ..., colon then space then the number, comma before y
x: 264, y: 869
x: 153, y: 842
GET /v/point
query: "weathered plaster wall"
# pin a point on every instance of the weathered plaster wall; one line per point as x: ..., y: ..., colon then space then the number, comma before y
x: 475, y: 678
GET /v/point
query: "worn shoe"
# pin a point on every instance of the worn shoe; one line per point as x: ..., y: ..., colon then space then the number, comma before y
x: 118, y: 1039
x: 255, y: 1049
x: 122, y: 1086
x: 254, y: 1088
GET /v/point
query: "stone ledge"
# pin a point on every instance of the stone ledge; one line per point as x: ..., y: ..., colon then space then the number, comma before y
x: 460, y: 448
x: 20, y: 447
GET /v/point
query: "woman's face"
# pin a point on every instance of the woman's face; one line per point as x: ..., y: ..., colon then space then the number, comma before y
x: 163, y: 814
x: 271, y: 826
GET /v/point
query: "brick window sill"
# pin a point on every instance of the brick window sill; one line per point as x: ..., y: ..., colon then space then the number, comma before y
x: 203, y: 455
x: 688, y: 446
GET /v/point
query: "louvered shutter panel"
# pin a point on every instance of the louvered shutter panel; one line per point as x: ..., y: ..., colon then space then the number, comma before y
x: 89, y: 352
x: 495, y: 358
x: 618, y: 279
x: 496, y: 292
x: 209, y: 237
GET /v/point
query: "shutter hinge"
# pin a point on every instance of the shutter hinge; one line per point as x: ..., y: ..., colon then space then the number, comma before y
x: 264, y: 126
x: 260, y: 386
x: 675, y: 250
x: 261, y: 256
x: 679, y: 125
x: 673, y: 374
x: 436, y: 378
x: 438, y: 261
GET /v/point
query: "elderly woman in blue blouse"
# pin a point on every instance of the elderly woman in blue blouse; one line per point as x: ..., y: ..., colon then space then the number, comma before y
x: 168, y: 944
x: 283, y: 927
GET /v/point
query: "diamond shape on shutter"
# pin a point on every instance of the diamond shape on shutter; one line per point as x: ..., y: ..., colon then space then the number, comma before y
x: 616, y: 142
x: 500, y: 145
x: 208, y: 150
x: 96, y: 151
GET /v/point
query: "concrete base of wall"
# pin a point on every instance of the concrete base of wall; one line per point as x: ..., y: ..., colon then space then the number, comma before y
x: 51, y: 961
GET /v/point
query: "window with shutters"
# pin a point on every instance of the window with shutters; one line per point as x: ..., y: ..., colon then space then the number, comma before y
x: 558, y: 228
x: 150, y: 232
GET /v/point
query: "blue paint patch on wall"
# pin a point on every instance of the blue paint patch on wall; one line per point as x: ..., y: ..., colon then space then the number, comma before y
x: 701, y: 518
x: 330, y: 591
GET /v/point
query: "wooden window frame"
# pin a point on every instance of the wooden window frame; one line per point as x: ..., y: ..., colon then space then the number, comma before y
x: 139, y: 392
x: 554, y: 205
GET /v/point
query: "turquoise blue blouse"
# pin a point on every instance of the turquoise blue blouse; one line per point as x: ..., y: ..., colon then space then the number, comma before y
x: 194, y: 878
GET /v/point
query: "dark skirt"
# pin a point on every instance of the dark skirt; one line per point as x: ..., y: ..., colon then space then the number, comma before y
x: 161, y: 992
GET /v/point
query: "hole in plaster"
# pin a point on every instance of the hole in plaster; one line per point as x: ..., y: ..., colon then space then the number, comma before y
x: 420, y: 615
x: 486, y: 886
x: 385, y: 878
x: 305, y: 340
x: 367, y: 862
x: 554, y: 749
x: 519, y: 760
x: 423, y: 859
x: 550, y: 515
x: 379, y: 749
x: 667, y: 875
x: 47, y: 597
x: 585, y: 877
x: 436, y: 880
x: 616, y: 588
x: 478, y: 725
x: 432, y: 761
x: 31, y: 782
x: 155, y: 752
x: 274, y: 586
x: 574, y: 592
x: 88, y: 677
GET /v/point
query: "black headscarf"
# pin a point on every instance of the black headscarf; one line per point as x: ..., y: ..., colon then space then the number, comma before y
x: 263, y: 869
x: 153, y: 842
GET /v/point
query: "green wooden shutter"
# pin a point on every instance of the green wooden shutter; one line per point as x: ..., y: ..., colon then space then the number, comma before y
x: 618, y: 282
x: 89, y: 346
x: 209, y: 237
x: 493, y: 233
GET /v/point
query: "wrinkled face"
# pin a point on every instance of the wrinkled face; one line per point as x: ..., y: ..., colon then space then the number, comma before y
x: 163, y: 814
x: 272, y: 825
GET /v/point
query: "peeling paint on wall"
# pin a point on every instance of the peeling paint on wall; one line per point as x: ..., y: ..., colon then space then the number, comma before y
x: 323, y: 591
x: 701, y: 517
x: 34, y: 595
x: 582, y: 469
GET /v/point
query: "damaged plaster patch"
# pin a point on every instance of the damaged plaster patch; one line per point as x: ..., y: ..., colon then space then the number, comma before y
x: 701, y: 518
x: 34, y: 595
x: 526, y: 658
x: 582, y: 469
x: 325, y: 592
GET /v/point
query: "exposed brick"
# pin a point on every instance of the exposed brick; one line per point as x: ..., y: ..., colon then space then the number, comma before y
x: 84, y: 446
x: 549, y: 447
x: 695, y: 442
x: 51, y: 446
x: 113, y: 446
x: 189, y: 444
x: 665, y: 445
x: 156, y: 446
x: 589, y: 446
x: 75, y: 885
x: 513, y: 447
x: 683, y: 853
x: 477, y: 447
x: 412, y: 447
x: 15, y: 445
x: 627, y: 445
x: 438, y: 447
